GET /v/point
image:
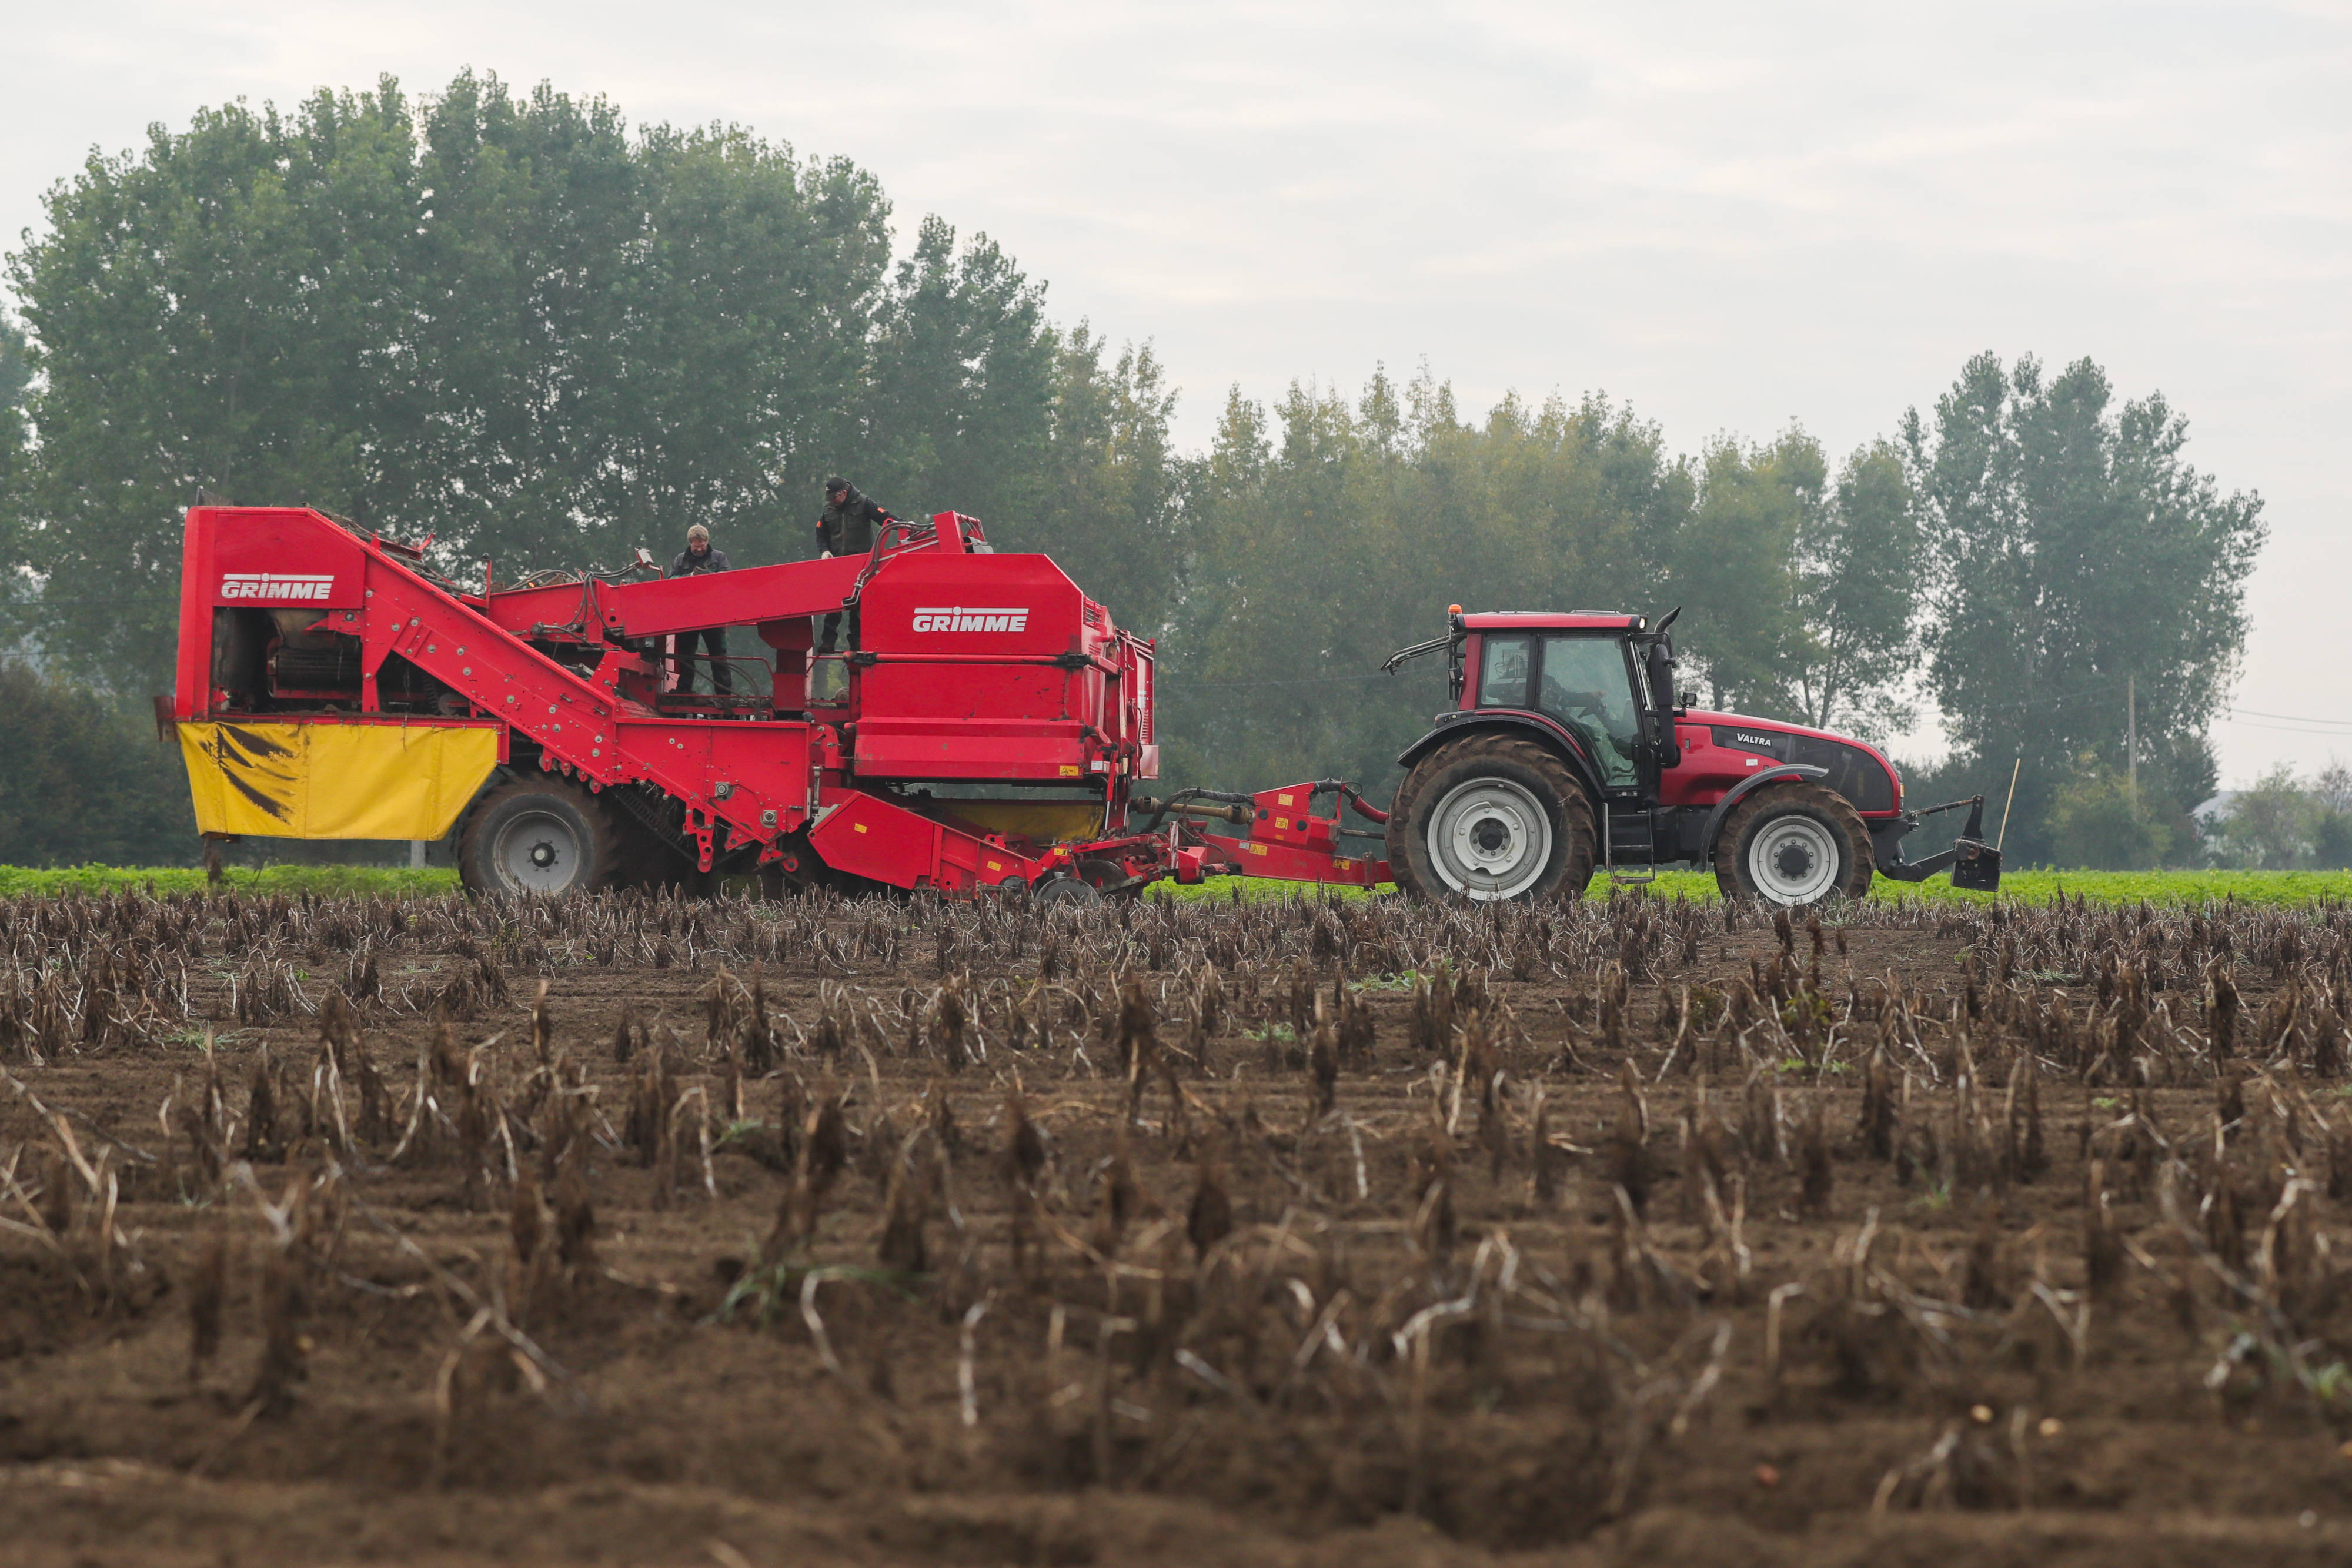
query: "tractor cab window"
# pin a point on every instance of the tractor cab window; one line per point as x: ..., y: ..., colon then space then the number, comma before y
x: 1585, y: 683
x: 1503, y: 672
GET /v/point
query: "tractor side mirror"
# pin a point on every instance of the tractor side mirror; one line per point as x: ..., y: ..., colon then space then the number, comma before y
x: 1686, y: 701
x: 1658, y: 663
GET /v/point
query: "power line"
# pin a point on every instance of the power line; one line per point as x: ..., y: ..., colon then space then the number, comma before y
x: 2289, y: 718
x: 2289, y: 729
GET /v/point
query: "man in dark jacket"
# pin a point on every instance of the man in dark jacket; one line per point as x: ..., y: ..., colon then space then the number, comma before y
x: 845, y: 528
x: 694, y: 560
x: 849, y: 521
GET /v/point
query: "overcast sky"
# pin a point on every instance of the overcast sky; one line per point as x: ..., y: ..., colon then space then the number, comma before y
x: 1732, y: 215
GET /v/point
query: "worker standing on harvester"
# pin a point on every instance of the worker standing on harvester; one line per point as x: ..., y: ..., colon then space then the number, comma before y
x: 845, y: 528
x: 697, y: 559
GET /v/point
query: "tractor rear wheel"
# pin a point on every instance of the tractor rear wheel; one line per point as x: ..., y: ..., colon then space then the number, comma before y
x: 538, y: 835
x: 1792, y: 844
x: 1491, y: 817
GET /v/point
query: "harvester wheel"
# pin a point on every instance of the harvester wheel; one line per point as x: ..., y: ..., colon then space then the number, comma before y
x: 1491, y: 817
x: 1794, y: 844
x: 538, y: 835
x: 1067, y: 890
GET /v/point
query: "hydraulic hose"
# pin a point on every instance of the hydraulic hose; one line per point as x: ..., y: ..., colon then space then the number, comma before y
x: 1353, y: 796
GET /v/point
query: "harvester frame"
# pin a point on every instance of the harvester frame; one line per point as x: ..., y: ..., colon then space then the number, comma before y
x: 989, y: 730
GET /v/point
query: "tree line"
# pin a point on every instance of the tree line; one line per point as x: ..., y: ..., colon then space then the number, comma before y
x: 513, y: 323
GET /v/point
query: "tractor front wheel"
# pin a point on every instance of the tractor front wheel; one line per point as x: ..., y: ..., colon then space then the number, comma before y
x: 1491, y: 817
x: 1792, y: 844
x: 538, y: 835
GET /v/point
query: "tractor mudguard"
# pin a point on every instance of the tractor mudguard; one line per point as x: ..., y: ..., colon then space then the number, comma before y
x: 1471, y: 721
x: 1745, y: 786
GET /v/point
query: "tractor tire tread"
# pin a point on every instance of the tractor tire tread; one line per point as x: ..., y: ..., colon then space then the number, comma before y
x: 1490, y: 746
x: 1861, y: 864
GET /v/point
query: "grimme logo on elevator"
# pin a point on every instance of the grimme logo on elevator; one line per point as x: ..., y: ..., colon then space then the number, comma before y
x: 967, y: 618
x: 271, y: 585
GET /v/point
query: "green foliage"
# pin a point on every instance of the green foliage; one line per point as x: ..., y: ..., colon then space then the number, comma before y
x: 2331, y: 833
x: 215, y: 311
x: 2040, y: 886
x: 2098, y: 819
x: 626, y: 336
x: 18, y: 881
x: 1733, y: 568
x: 2285, y: 822
x: 2331, y: 841
x: 2076, y: 548
x: 1860, y: 569
x: 1802, y: 595
x: 16, y: 375
x: 957, y: 407
x: 505, y: 322
x: 82, y: 779
x: 1108, y: 497
x: 16, y: 370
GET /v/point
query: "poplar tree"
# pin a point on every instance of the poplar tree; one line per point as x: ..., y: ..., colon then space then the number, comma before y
x: 2081, y: 561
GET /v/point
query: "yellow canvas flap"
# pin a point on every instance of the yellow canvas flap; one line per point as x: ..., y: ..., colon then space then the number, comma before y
x: 329, y: 781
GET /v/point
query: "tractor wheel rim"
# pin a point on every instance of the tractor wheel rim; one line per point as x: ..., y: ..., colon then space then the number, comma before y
x: 1490, y: 839
x: 538, y: 852
x: 1793, y: 860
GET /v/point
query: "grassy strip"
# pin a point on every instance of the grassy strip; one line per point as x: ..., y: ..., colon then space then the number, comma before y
x: 17, y: 882
x: 2036, y: 886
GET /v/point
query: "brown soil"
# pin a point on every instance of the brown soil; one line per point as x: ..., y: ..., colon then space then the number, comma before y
x: 1628, y: 1234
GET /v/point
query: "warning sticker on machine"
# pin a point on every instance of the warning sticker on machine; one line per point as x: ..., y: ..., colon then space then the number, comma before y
x: 969, y: 618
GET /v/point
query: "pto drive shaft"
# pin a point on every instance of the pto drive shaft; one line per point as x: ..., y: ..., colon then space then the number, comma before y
x: 1240, y: 815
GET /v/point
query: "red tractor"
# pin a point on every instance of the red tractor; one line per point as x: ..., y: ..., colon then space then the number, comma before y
x: 1569, y: 751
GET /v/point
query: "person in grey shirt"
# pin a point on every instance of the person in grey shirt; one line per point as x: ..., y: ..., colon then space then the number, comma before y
x: 694, y: 560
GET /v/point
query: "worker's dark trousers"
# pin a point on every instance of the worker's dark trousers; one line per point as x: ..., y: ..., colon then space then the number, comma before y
x: 714, y: 640
x: 832, y: 625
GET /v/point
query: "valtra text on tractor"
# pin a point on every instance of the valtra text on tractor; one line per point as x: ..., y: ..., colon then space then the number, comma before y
x: 988, y: 728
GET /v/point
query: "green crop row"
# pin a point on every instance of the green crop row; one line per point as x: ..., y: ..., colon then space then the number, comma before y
x: 18, y: 881
x: 2040, y: 886
x: 2037, y: 886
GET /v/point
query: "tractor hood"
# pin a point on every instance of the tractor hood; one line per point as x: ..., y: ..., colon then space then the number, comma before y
x: 1859, y: 771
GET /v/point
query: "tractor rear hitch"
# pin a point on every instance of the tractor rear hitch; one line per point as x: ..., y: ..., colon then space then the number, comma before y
x: 1974, y: 863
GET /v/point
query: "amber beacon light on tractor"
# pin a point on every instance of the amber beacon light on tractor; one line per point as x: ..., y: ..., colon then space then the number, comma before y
x: 988, y: 727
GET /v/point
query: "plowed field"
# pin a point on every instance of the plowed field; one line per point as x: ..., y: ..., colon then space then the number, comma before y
x: 1360, y: 1233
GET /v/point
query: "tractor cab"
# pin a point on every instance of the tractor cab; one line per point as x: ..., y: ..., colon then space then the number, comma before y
x: 1592, y: 672
x: 1600, y: 686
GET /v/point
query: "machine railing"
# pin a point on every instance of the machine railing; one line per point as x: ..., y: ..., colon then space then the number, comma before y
x: 716, y: 684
